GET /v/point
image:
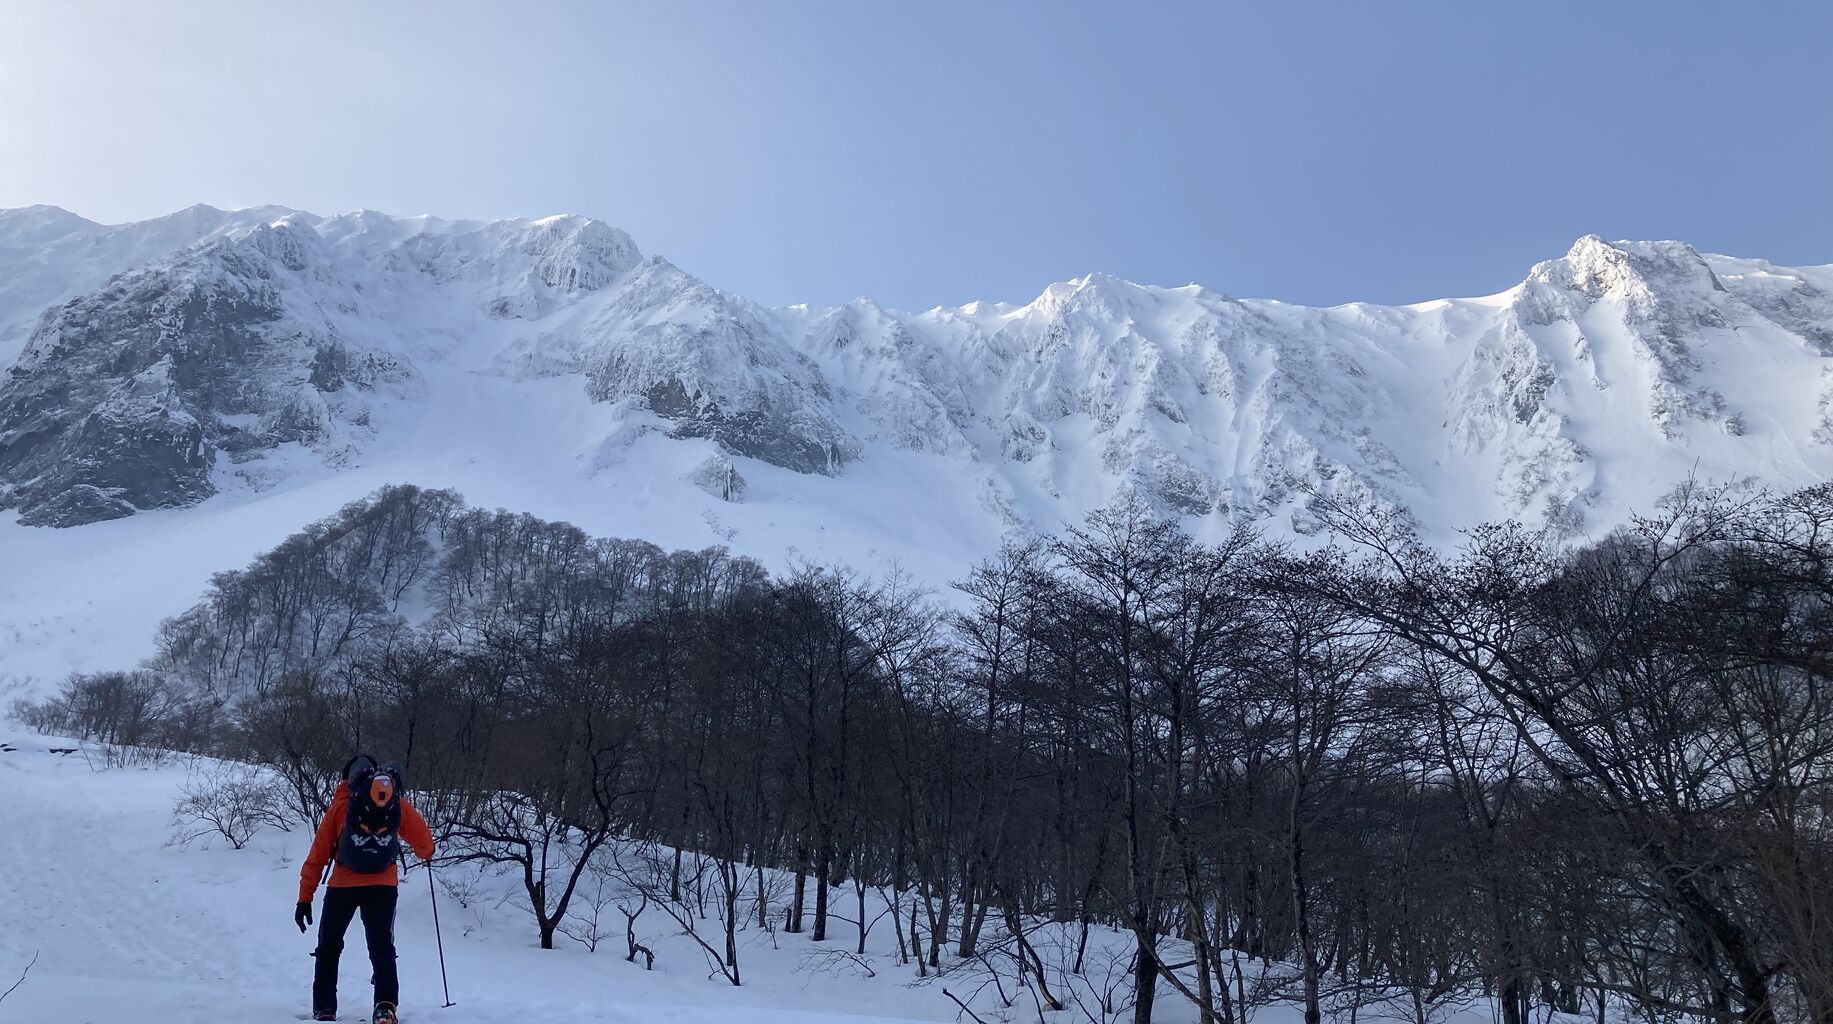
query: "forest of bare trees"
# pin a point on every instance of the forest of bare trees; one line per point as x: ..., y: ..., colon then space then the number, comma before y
x: 1592, y: 779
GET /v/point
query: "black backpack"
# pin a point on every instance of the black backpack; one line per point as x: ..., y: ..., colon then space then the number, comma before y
x: 372, y: 833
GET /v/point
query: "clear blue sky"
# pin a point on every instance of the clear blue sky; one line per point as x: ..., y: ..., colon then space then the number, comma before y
x: 936, y: 152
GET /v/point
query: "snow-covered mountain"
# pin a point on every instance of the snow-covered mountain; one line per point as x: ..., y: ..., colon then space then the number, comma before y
x: 265, y: 365
x: 178, y: 357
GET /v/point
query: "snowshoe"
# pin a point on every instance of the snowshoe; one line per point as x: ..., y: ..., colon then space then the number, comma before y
x: 385, y: 1014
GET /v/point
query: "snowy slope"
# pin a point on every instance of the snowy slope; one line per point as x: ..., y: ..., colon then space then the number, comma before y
x: 129, y: 928
x: 128, y: 924
x: 210, y: 381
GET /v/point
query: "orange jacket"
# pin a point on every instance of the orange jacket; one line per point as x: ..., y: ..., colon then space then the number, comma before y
x: 324, y: 847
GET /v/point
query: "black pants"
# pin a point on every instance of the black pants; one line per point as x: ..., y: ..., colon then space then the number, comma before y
x: 377, y: 905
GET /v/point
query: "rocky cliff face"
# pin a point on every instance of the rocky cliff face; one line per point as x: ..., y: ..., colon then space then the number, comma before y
x: 137, y: 396
x: 261, y: 346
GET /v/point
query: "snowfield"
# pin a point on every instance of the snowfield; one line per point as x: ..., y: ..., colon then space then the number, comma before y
x: 127, y: 925
x: 129, y: 928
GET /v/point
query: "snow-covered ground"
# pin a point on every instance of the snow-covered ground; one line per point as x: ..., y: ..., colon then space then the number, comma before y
x: 128, y: 925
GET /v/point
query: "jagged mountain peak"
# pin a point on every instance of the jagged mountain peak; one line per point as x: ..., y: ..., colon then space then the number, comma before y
x: 1093, y: 292
x: 288, y: 343
x: 1626, y: 269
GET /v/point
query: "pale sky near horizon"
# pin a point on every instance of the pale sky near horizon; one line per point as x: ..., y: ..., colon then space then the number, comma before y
x: 943, y: 151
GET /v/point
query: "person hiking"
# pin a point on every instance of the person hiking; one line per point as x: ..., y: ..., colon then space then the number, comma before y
x: 362, y: 832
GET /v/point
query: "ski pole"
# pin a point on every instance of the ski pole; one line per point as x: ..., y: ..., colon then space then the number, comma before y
x: 437, y: 938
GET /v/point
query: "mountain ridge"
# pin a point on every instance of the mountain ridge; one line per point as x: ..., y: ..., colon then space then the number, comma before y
x: 202, y: 385
x: 244, y: 219
x: 279, y: 329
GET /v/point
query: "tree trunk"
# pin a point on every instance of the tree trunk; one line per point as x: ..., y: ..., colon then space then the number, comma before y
x: 763, y: 905
x: 823, y: 868
x: 1028, y: 960
x: 794, y: 926
x: 897, y: 925
x: 1301, y: 909
x: 859, y: 890
x: 938, y: 934
x: 1511, y: 999
x: 980, y: 920
x: 728, y: 875
x: 1206, y: 997
x: 965, y: 948
x: 1248, y: 937
x: 916, y: 939
x: 1145, y: 975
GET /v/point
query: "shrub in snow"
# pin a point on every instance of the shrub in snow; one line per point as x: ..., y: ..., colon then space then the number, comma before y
x: 125, y: 709
x: 234, y: 801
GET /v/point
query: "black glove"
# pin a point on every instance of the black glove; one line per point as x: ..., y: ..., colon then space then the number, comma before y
x: 302, y: 915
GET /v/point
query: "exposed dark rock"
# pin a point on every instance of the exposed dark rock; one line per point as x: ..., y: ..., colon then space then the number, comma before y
x: 720, y: 478
x: 114, y: 405
x: 77, y: 506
